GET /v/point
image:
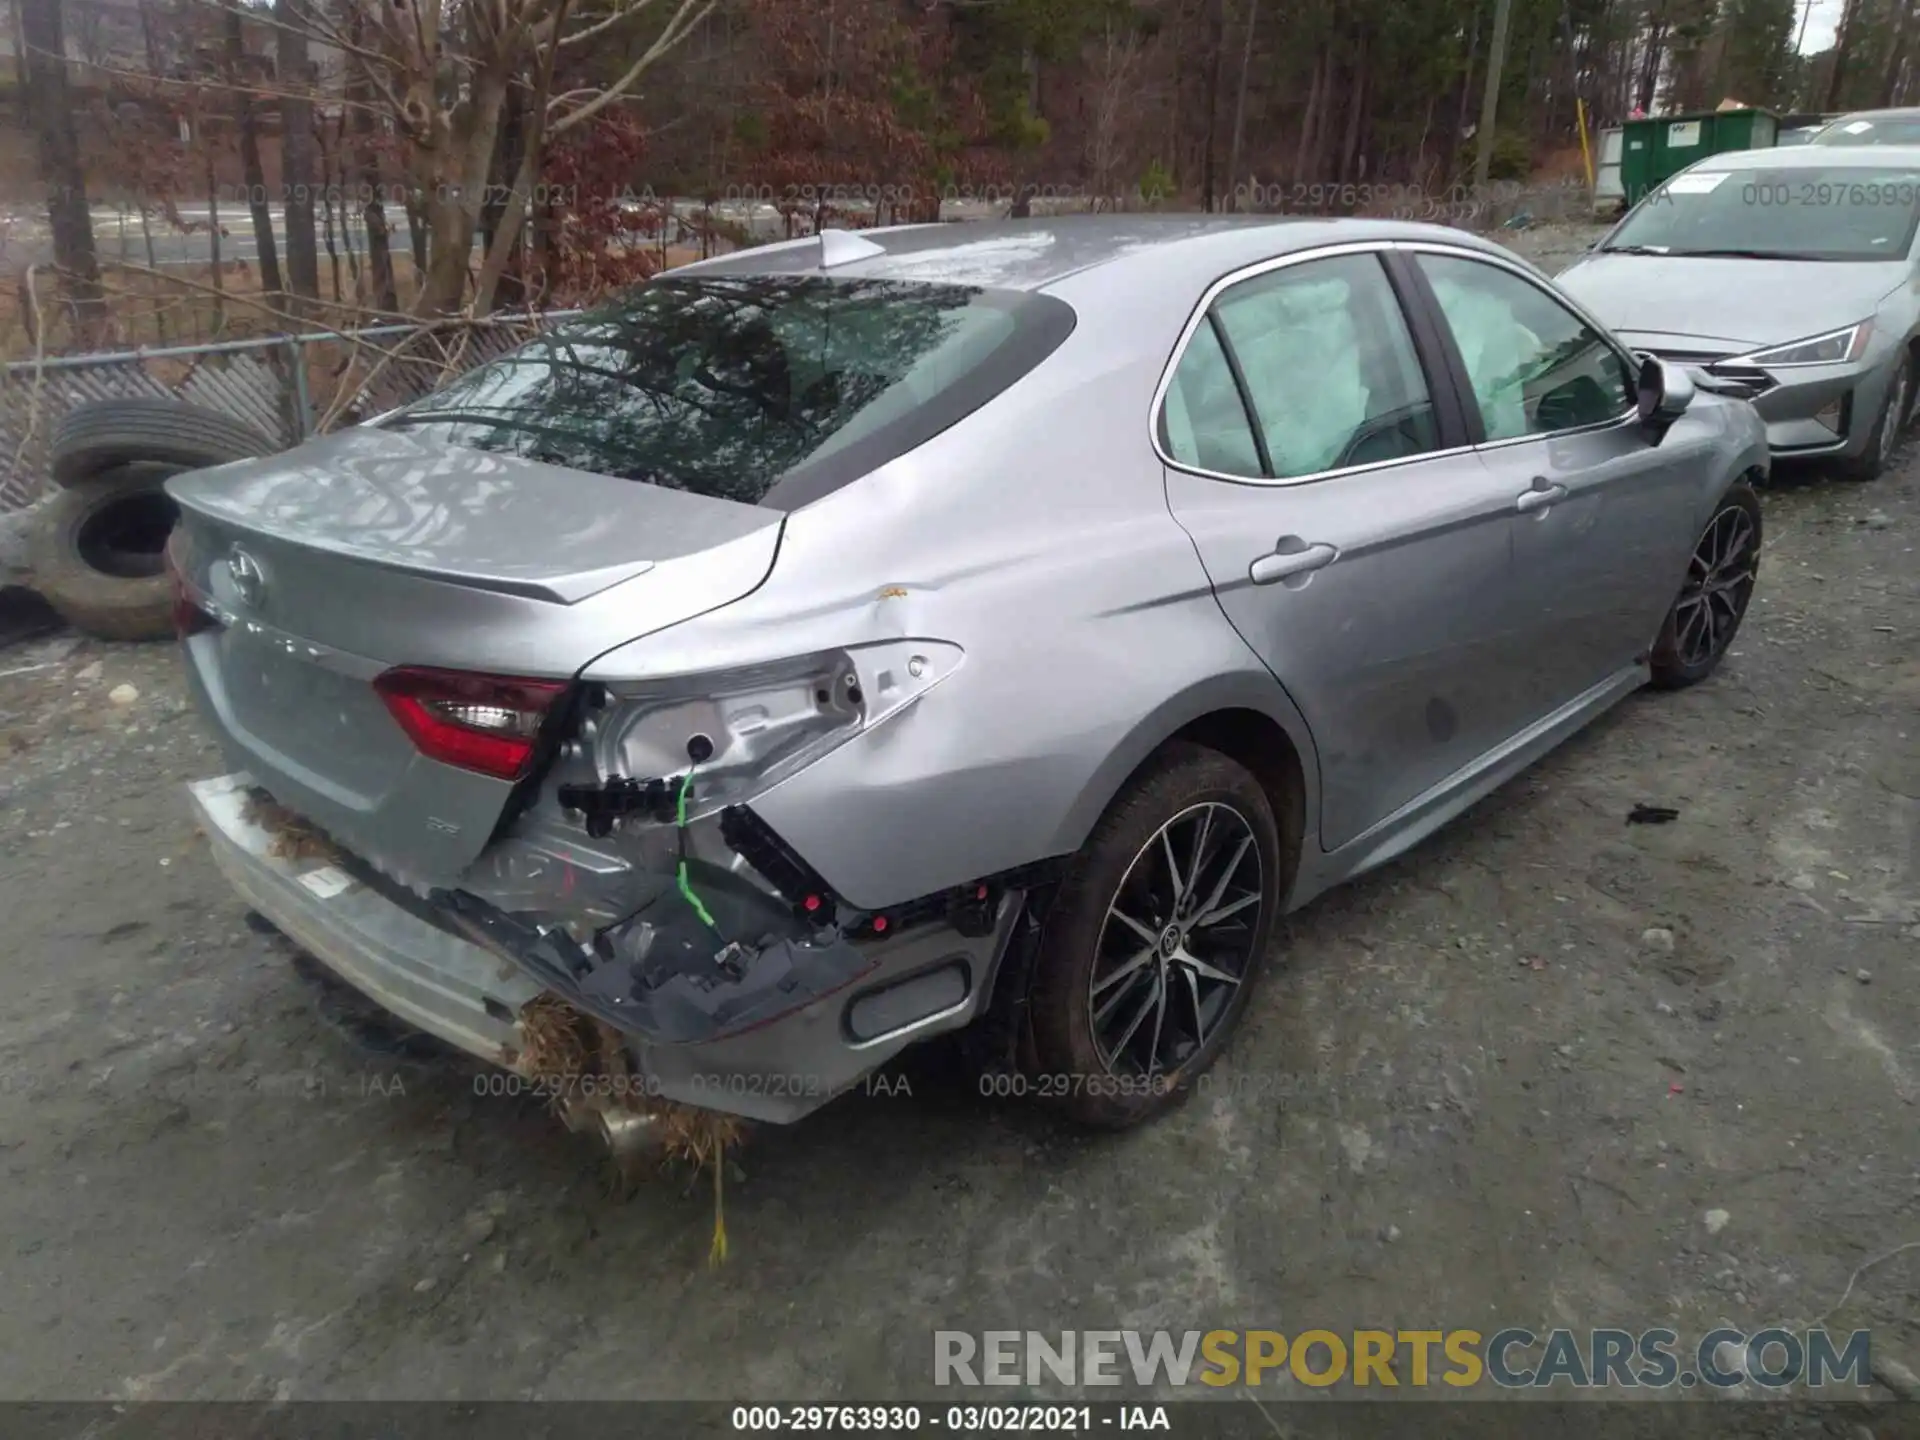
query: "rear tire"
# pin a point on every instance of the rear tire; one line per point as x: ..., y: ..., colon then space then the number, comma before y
x: 1706, y: 615
x: 1128, y: 941
x: 98, y: 554
x: 108, y: 434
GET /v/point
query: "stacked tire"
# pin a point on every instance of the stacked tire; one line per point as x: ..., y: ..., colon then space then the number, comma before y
x: 98, y: 549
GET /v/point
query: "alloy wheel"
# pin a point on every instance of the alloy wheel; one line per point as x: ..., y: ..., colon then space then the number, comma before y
x: 1177, y: 943
x: 1719, y: 584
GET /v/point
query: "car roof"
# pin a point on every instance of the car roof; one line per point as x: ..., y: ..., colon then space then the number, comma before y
x: 1034, y: 253
x: 1799, y: 157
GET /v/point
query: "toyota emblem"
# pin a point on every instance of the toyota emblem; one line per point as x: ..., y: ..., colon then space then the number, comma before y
x: 249, y: 580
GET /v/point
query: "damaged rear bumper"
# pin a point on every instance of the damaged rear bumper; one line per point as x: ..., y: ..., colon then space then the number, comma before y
x: 408, y: 956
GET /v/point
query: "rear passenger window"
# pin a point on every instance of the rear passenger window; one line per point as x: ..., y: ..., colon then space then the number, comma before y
x: 1205, y: 422
x: 1330, y: 369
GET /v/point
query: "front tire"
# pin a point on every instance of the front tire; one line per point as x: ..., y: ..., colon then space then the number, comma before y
x: 1153, y: 943
x: 1888, y: 426
x: 1706, y: 615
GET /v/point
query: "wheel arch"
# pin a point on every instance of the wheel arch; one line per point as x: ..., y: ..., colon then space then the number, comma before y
x: 1752, y: 476
x: 1260, y: 743
x: 1246, y: 716
x: 1751, y: 464
x: 1249, y: 718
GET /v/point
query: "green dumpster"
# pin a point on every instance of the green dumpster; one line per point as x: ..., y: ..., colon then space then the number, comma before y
x: 1660, y: 146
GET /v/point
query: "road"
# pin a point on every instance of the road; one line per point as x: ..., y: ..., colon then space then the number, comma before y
x: 1503, y: 1081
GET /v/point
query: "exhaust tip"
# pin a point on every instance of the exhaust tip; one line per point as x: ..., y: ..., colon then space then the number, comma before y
x: 628, y: 1136
x: 631, y: 1137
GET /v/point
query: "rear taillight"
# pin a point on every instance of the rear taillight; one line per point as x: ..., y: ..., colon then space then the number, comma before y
x: 486, y: 723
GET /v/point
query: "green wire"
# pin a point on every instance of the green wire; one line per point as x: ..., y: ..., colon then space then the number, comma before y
x: 686, y: 885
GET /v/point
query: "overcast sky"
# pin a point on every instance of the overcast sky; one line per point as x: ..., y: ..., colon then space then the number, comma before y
x: 1823, y: 17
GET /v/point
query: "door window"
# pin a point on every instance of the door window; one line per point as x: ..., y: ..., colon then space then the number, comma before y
x: 1205, y: 422
x: 1329, y: 372
x: 1330, y: 369
x: 1535, y: 366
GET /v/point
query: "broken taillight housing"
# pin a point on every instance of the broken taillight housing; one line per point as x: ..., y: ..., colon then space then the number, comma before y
x: 749, y: 729
x: 485, y: 723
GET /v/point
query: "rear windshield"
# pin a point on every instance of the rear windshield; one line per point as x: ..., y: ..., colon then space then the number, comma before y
x: 1803, y: 212
x: 763, y: 389
x: 1887, y: 130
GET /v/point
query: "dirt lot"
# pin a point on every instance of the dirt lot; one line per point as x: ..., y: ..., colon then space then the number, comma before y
x: 1502, y: 1081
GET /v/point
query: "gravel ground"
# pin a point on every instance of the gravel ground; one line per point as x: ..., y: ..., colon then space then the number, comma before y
x: 1502, y: 1081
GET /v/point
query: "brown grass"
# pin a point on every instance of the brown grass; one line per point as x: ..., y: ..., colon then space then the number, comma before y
x: 1566, y: 164
x: 555, y: 1047
x: 294, y: 838
x: 582, y: 1060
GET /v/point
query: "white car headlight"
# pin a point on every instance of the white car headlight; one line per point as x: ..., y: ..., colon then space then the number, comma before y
x: 1828, y: 349
x: 743, y: 731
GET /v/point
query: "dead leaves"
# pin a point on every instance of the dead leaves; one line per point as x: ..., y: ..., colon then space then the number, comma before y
x: 294, y: 838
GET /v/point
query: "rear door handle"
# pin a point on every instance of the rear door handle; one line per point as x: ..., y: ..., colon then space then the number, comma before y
x: 1543, y: 494
x: 1285, y: 564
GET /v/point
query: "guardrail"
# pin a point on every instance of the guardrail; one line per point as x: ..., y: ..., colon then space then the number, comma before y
x: 283, y: 385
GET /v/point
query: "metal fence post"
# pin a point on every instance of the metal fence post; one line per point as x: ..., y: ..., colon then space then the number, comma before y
x: 302, y: 402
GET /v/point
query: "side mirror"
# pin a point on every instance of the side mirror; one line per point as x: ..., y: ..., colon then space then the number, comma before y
x: 1665, y: 391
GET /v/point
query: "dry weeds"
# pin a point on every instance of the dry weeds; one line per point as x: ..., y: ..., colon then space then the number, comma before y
x: 294, y: 838
x: 583, y: 1060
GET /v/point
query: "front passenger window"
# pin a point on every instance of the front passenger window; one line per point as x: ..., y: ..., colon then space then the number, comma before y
x: 1534, y: 365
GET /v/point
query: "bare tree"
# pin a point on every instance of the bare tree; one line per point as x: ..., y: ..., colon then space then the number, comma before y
x: 1217, y: 46
x: 1843, y: 39
x: 253, y: 174
x: 156, y: 65
x: 1240, y: 99
x: 365, y: 179
x: 1115, y: 80
x: 444, y: 73
x: 50, y: 111
x: 296, y: 148
x: 89, y: 31
x: 1896, y: 50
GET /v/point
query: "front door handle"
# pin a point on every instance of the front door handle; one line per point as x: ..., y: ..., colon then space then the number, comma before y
x: 1284, y: 563
x: 1543, y: 494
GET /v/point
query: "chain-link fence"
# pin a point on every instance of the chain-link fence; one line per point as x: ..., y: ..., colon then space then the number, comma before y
x: 285, y: 386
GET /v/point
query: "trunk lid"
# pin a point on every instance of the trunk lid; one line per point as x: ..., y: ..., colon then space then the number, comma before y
x: 370, y: 550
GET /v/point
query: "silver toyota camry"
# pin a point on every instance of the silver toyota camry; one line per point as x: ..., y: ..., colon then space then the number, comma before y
x: 1792, y: 274
x: 995, y: 626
